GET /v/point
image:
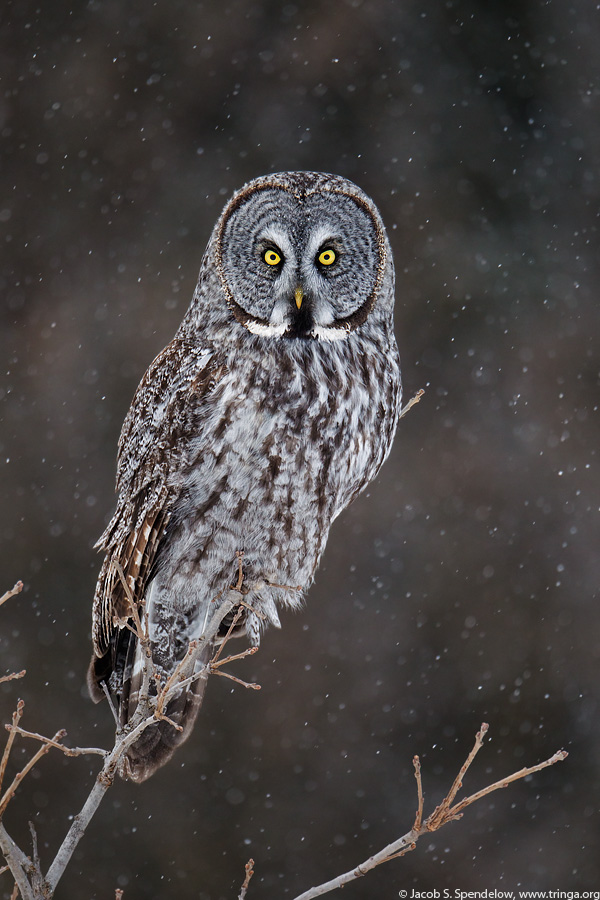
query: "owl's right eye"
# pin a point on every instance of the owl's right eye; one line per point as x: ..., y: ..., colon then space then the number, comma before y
x: 272, y: 257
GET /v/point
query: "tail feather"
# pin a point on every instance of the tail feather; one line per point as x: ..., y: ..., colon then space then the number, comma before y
x: 157, y: 744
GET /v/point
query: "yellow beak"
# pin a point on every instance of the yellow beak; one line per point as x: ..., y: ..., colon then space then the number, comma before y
x: 298, y: 296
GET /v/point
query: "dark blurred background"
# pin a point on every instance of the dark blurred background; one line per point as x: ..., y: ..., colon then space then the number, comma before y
x: 463, y: 586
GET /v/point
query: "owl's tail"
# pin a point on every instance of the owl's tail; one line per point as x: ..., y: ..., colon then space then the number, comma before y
x: 121, y: 669
x: 157, y: 743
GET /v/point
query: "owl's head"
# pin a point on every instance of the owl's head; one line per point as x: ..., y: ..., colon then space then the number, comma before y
x: 302, y: 255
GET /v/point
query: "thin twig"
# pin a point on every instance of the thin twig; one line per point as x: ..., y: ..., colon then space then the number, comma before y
x: 419, y: 815
x: 249, y: 651
x: 240, y: 556
x: 68, y: 751
x: 16, y: 718
x: 10, y: 791
x: 234, y: 621
x: 284, y: 587
x: 174, y: 679
x: 411, y: 403
x: 15, y: 590
x: 111, y: 705
x: 456, y: 811
x: 249, y: 873
x: 442, y: 814
x: 246, y: 684
x: 12, y: 676
x: 440, y: 811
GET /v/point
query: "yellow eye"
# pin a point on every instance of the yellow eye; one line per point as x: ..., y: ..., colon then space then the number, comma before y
x: 271, y: 257
x: 327, y: 257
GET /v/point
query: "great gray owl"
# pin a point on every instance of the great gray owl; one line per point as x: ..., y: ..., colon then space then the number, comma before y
x: 273, y: 406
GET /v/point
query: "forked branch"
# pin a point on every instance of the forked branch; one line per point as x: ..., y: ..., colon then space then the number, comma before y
x: 26, y: 871
x: 442, y: 814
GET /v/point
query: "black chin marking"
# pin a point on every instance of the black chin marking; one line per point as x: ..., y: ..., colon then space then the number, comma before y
x: 302, y: 323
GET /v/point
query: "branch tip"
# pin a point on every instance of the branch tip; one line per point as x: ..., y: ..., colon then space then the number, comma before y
x: 249, y: 867
x: 18, y: 587
x: 412, y: 402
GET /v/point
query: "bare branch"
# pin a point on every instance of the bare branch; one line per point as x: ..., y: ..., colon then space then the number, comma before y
x: 29, y: 880
x: 419, y: 815
x: 111, y: 705
x: 439, y: 814
x: 246, y: 684
x: 26, y: 873
x: 36, y: 878
x: 456, y: 811
x: 249, y: 873
x: 80, y: 822
x: 15, y: 590
x: 143, y: 718
x: 240, y: 556
x: 16, y: 718
x: 234, y: 621
x: 250, y: 651
x: 68, y: 751
x: 175, y: 678
x: 13, y: 675
x: 19, y: 864
x: 412, y: 402
x: 215, y: 663
x: 442, y: 814
x: 10, y: 791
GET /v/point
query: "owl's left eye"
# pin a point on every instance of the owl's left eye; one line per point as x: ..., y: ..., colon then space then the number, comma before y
x: 327, y: 257
x: 272, y: 257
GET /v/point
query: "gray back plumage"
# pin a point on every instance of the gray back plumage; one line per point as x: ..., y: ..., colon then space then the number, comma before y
x: 273, y: 406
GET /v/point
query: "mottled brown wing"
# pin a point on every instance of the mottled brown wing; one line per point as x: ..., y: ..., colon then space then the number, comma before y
x: 123, y: 578
x: 164, y: 410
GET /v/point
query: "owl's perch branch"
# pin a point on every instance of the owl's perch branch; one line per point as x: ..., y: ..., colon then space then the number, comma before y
x: 145, y: 716
x: 29, y: 879
x: 442, y: 815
